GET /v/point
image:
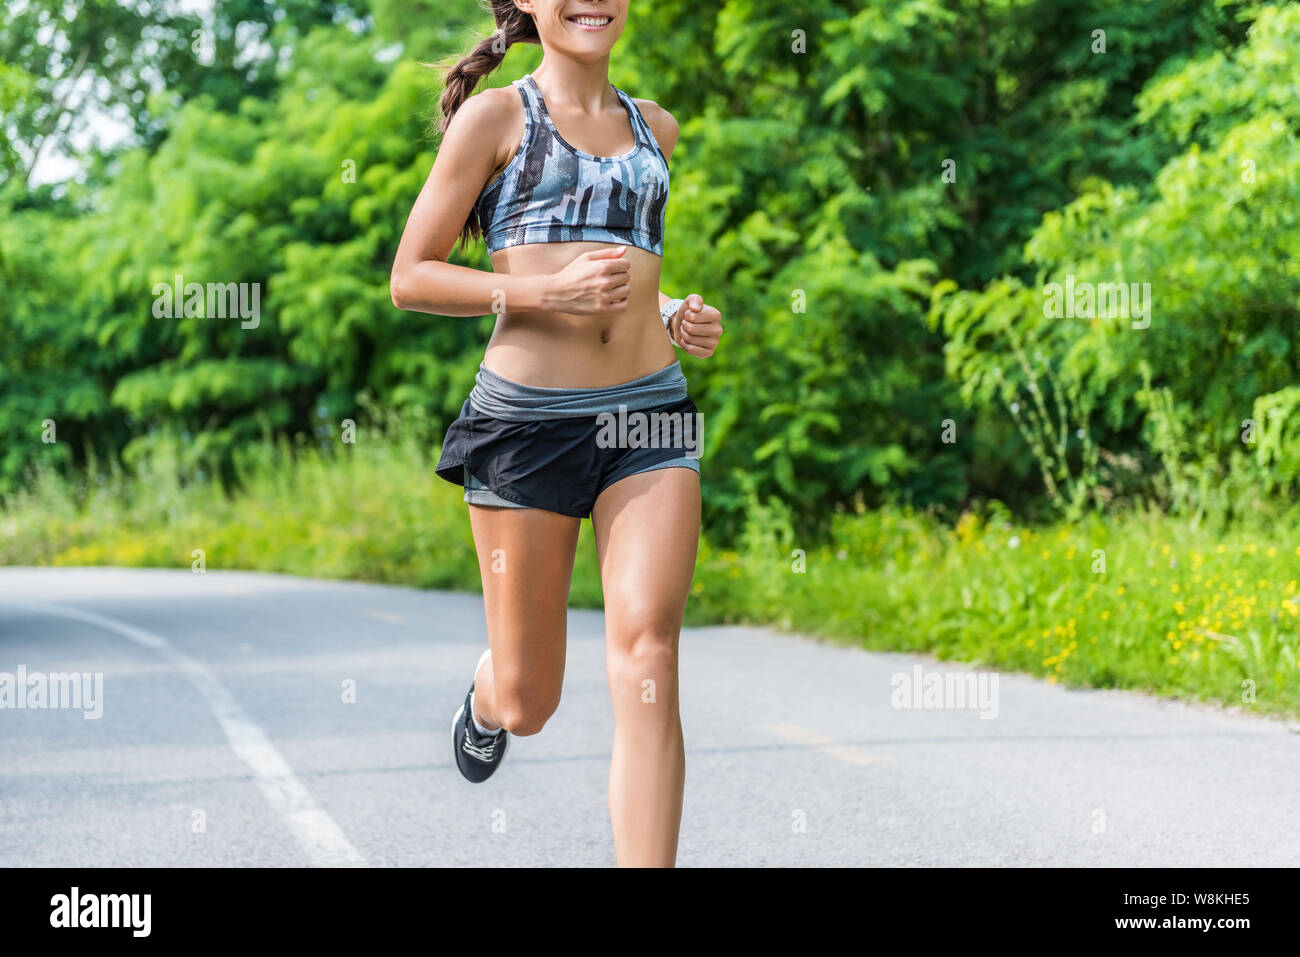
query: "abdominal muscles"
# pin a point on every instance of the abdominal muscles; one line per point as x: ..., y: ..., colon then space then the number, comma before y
x: 560, y: 350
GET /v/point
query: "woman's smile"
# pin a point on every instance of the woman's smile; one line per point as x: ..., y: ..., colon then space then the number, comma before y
x: 592, y: 22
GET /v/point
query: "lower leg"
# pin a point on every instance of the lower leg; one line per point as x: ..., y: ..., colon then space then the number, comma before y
x: 526, y: 563
x: 481, y: 697
x: 647, y: 773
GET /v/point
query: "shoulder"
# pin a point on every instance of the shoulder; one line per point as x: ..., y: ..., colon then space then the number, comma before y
x: 496, y: 108
x: 493, y: 117
x: 661, y: 123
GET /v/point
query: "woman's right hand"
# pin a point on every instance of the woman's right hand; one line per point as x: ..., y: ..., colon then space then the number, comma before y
x: 596, y: 283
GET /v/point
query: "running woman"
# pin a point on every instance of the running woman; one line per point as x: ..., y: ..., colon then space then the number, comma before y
x: 566, y: 179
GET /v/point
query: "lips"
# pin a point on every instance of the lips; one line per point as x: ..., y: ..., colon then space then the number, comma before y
x: 591, y: 22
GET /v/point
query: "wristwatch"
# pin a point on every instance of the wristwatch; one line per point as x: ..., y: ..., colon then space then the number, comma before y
x: 667, y: 312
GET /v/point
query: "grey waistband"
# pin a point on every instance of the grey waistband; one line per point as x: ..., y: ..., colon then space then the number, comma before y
x: 511, y: 401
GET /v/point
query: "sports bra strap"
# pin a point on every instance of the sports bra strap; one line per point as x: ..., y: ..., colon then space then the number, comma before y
x: 645, y: 136
x: 535, y: 112
x: 532, y: 102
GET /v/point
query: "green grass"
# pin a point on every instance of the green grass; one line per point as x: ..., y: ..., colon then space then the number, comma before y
x: 1180, y: 609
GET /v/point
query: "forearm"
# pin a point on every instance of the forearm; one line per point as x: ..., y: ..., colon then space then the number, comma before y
x: 446, y: 289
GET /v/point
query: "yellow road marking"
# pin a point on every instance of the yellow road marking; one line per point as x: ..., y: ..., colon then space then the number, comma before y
x: 847, y: 753
x: 389, y: 616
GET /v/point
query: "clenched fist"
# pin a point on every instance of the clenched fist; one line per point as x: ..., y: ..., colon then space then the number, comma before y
x: 697, y: 327
x: 596, y: 283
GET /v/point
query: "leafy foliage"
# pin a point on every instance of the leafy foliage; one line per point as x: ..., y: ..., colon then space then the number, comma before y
x: 1214, y: 237
x: 872, y: 193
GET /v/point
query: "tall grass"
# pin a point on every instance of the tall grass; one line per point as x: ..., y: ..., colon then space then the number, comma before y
x: 1146, y: 601
x: 1174, y: 606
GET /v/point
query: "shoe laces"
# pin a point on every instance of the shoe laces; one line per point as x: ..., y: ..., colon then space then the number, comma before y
x: 483, y: 752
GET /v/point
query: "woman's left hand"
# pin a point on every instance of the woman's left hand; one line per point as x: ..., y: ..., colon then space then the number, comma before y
x: 697, y: 327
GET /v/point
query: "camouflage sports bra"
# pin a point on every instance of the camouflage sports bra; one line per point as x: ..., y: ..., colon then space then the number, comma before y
x: 551, y: 192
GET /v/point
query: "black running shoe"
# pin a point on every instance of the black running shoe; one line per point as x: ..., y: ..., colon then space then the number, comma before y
x: 477, y: 755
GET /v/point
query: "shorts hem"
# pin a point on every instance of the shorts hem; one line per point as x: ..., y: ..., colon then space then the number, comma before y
x: 518, y: 505
x: 460, y: 467
x: 680, y: 463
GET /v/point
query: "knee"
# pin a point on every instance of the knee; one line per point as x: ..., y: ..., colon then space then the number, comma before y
x: 645, y: 651
x: 522, y: 710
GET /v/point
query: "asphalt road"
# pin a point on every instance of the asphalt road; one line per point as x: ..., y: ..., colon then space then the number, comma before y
x: 225, y: 739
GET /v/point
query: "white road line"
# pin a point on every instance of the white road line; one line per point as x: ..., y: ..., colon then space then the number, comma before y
x: 320, y: 838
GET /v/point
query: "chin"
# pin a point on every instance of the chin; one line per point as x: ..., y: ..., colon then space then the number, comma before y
x: 590, y: 55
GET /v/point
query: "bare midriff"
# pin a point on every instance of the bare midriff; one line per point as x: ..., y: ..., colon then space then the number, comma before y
x: 561, y: 350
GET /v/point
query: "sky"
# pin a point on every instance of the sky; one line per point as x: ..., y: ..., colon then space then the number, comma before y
x: 103, y: 127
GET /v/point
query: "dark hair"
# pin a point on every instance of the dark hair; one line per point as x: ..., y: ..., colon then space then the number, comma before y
x: 513, y: 26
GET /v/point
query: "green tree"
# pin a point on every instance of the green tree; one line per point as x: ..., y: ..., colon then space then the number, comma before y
x: 1214, y: 235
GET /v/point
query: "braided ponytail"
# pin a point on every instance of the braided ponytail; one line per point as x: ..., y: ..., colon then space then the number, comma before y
x: 513, y: 26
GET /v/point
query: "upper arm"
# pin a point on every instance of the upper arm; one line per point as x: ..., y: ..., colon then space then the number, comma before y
x: 472, y: 148
x: 662, y: 125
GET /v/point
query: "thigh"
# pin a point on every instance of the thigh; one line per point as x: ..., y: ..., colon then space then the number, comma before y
x: 647, y: 529
x: 525, y: 557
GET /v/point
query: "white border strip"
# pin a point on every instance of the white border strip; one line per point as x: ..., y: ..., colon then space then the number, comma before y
x: 320, y: 838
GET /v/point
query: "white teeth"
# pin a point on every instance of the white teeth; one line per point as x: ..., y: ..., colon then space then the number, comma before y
x: 591, y: 21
